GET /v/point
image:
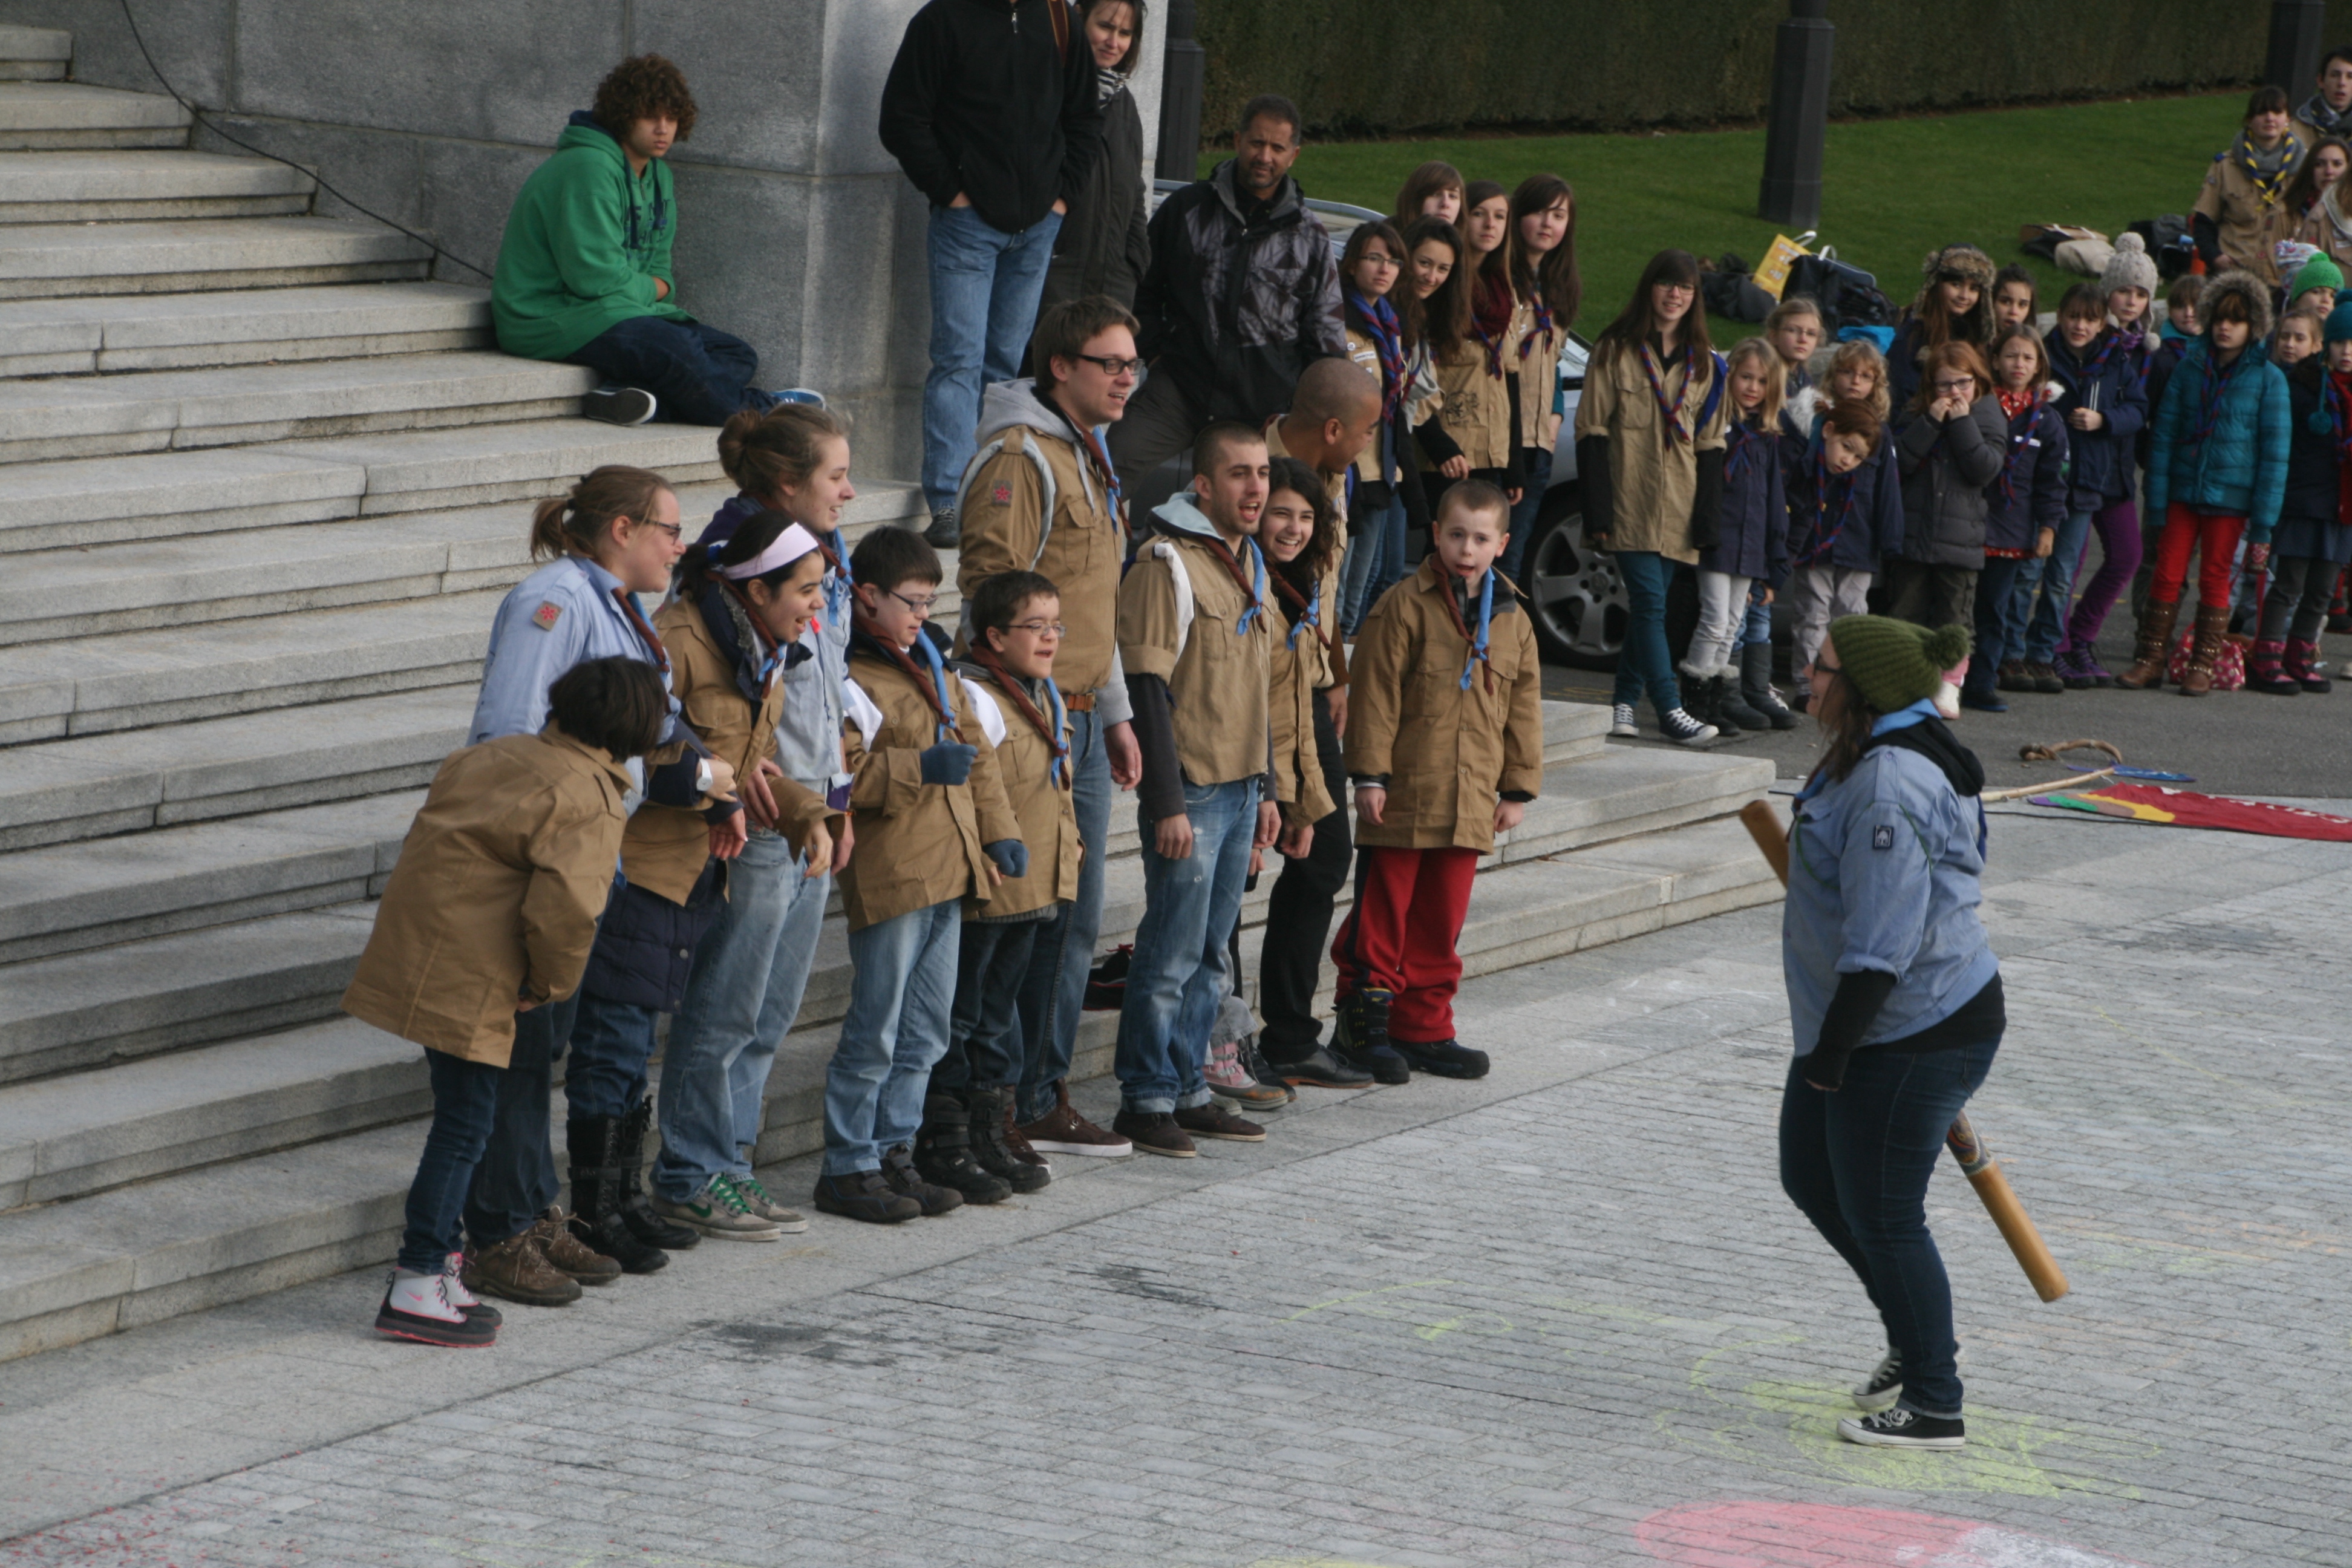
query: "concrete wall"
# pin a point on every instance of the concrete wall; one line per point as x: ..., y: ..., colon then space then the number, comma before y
x: 797, y: 230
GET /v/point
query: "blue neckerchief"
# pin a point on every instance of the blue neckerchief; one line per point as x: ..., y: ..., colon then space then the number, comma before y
x: 939, y: 678
x: 1060, y: 719
x: 1904, y: 717
x: 1485, y: 624
x: 1257, y: 598
x: 1314, y: 613
x: 838, y: 584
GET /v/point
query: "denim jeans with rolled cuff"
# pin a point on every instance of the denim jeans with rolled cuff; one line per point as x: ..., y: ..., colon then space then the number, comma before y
x: 1174, y: 978
x: 985, y: 284
x: 1053, y: 992
x: 901, y: 998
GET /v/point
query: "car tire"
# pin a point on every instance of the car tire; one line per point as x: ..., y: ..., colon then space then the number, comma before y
x: 1577, y: 601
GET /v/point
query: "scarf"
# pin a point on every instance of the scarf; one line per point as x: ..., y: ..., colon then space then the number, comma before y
x: 1449, y: 588
x: 1671, y: 408
x: 1825, y: 533
x: 1543, y: 325
x: 1308, y: 606
x: 755, y: 669
x: 1740, y: 437
x: 643, y: 628
x: 1491, y: 306
x: 2269, y: 170
x: 935, y: 690
x: 1378, y: 320
x: 1098, y: 456
x: 2315, y: 113
x: 2212, y: 389
x: 2026, y: 403
x: 1256, y: 606
x: 1050, y: 729
x: 1108, y: 84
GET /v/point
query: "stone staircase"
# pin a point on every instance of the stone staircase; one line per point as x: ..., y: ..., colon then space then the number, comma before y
x: 261, y: 485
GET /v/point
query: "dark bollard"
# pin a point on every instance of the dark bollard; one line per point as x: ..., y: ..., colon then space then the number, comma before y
x: 1791, y: 190
x: 2296, y: 27
x: 1184, y: 67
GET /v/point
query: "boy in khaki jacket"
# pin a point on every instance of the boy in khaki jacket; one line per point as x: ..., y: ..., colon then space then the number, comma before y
x: 932, y: 825
x: 1195, y: 637
x: 1446, y: 749
x: 490, y: 914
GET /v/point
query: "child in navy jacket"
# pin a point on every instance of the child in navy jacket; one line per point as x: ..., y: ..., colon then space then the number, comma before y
x: 2313, y: 540
x: 1845, y: 512
x: 2025, y: 512
x: 1751, y: 543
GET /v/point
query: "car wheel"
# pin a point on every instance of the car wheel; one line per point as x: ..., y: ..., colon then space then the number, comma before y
x: 1578, y: 599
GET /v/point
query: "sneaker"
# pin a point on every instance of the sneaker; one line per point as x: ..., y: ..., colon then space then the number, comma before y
x: 757, y: 1199
x: 417, y: 1307
x: 618, y: 406
x: 1229, y: 1079
x: 454, y: 1291
x: 863, y: 1195
x: 719, y: 1210
x: 1213, y: 1120
x: 1901, y: 1429
x: 2074, y: 670
x: 1107, y: 980
x: 807, y: 395
x: 1683, y: 730
x: 1062, y: 1130
x: 944, y: 533
x: 515, y: 1270
x: 899, y: 1174
x: 1621, y: 722
x: 1154, y: 1132
x: 1360, y: 1036
x: 564, y: 1249
x: 1319, y: 1068
x: 2046, y: 679
x: 1442, y: 1059
x: 2101, y: 676
x: 1884, y: 1386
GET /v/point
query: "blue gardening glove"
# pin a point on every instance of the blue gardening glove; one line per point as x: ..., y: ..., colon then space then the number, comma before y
x: 949, y: 763
x: 1012, y: 857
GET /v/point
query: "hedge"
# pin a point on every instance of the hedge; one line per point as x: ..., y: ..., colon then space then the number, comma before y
x: 1379, y: 68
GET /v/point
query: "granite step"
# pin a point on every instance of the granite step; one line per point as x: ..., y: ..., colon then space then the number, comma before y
x: 237, y: 406
x: 35, y: 54
x: 473, y: 464
x: 109, y: 333
x: 38, y: 115
x: 176, y: 255
x: 114, y: 184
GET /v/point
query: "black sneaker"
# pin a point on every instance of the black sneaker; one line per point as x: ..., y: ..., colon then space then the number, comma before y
x: 863, y: 1195
x: 1683, y: 730
x: 1444, y: 1059
x: 1319, y: 1068
x: 899, y: 1174
x: 1883, y: 1387
x: 1154, y: 1132
x: 1901, y: 1429
x: 1107, y: 980
x: 1213, y: 1120
x: 1360, y: 1036
x: 943, y: 532
x: 1254, y: 1062
x: 618, y: 406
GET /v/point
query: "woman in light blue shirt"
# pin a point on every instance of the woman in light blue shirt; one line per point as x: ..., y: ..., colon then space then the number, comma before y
x: 1894, y: 998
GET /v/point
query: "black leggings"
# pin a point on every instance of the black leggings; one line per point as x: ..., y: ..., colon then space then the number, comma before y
x: 1298, y: 913
x: 2301, y: 587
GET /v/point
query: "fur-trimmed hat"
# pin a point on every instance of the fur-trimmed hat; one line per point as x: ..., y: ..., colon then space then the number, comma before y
x: 2236, y: 283
x: 2131, y: 267
x: 1976, y: 267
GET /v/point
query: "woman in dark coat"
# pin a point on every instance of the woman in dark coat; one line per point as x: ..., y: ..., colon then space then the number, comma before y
x: 1104, y: 246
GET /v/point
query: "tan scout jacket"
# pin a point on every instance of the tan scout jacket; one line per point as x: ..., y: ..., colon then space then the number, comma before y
x: 999, y: 534
x: 1475, y: 405
x: 1539, y: 371
x: 1290, y: 713
x: 1049, y: 816
x: 1326, y: 666
x: 918, y: 844
x: 1217, y: 682
x: 1653, y: 479
x: 501, y: 882
x: 2249, y: 227
x: 1448, y: 753
x: 664, y: 848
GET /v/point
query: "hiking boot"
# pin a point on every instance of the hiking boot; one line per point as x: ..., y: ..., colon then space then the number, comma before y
x: 2012, y: 676
x: 2212, y: 625
x: 2265, y: 671
x: 2302, y: 664
x: 568, y: 1253
x: 899, y: 1174
x: 453, y: 1289
x: 1884, y: 1386
x: 618, y: 406
x: 719, y: 1210
x: 1062, y: 1130
x: 1319, y: 1068
x: 760, y: 1202
x: 1254, y: 1062
x: 2046, y: 679
x: 1153, y: 1132
x: 515, y: 1270
x: 992, y: 1142
x: 942, y: 1158
x: 636, y: 1209
x: 1621, y: 722
x: 1683, y: 730
x: 943, y: 532
x: 1731, y: 706
x: 1442, y: 1058
x: 1755, y: 686
x: 593, y: 1143
x: 2153, y: 647
x: 417, y: 1307
x: 1901, y: 1429
x: 1229, y: 1079
x: 1213, y: 1120
x: 1360, y: 1036
x: 863, y: 1195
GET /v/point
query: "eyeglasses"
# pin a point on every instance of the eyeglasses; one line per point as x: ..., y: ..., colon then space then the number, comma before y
x: 921, y: 607
x: 1679, y: 287
x: 1112, y: 365
x: 1964, y: 384
x: 1039, y: 628
x: 673, y: 530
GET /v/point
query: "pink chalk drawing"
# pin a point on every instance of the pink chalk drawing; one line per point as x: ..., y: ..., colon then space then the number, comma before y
x: 1824, y: 1535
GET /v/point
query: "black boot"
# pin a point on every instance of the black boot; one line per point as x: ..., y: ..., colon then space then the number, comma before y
x: 943, y: 1152
x: 1755, y: 686
x: 989, y: 1149
x: 636, y: 1209
x: 593, y: 1143
x: 1699, y: 698
x: 1732, y: 705
x: 1360, y: 1036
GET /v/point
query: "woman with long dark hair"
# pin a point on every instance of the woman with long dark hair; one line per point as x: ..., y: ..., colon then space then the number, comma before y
x: 1546, y: 290
x: 1894, y: 998
x: 1649, y: 457
x: 1386, y: 500
x: 1479, y: 438
x: 1104, y: 246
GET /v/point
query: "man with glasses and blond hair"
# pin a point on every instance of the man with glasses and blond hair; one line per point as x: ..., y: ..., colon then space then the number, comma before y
x: 1040, y: 496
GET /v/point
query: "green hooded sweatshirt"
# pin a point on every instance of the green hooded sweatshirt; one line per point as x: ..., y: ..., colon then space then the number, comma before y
x: 583, y: 244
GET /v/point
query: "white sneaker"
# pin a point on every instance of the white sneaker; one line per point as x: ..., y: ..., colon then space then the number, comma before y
x: 417, y: 1307
x: 1620, y: 721
x: 1682, y: 729
x: 453, y: 1289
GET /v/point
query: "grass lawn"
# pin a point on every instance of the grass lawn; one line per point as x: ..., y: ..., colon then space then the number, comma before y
x: 1892, y: 190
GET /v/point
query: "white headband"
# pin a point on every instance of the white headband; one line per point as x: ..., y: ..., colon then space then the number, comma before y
x: 787, y: 547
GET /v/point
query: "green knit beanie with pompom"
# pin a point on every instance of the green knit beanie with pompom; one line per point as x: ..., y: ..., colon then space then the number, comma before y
x: 1894, y: 663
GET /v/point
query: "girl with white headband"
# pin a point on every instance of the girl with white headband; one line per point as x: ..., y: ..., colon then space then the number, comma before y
x: 733, y: 628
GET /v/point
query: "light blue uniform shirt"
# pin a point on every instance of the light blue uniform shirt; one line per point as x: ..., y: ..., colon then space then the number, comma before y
x: 808, y: 732
x: 1883, y: 872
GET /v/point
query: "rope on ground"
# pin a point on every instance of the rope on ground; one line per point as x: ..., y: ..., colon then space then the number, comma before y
x: 2056, y: 753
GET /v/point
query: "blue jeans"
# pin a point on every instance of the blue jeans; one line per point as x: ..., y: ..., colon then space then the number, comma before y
x: 1857, y: 1163
x: 901, y: 998
x: 1996, y: 592
x: 985, y: 285
x: 2038, y: 627
x: 1644, y: 665
x: 1176, y: 976
x: 515, y: 1179
x: 466, y: 1098
x: 1523, y: 516
x: 1375, y: 560
x: 611, y: 1043
x: 1756, y: 627
x: 1054, y: 993
x: 984, y: 1036
x: 697, y: 374
x: 742, y: 996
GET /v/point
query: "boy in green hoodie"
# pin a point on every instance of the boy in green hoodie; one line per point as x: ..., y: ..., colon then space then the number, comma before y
x: 584, y: 273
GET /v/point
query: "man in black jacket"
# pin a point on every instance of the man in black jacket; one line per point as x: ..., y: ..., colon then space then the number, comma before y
x: 990, y: 109
x: 1241, y: 293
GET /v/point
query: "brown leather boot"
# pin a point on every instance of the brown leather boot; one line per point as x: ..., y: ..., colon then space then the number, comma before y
x: 2155, y: 645
x: 517, y: 1271
x: 569, y: 1254
x: 2212, y: 625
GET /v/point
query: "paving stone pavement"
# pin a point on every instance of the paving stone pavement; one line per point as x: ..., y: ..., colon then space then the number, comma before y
x: 1561, y: 1317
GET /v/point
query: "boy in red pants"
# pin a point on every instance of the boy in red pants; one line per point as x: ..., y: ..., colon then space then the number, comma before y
x: 1446, y: 749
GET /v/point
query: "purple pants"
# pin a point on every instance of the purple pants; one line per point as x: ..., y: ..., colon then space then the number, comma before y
x: 2118, y: 529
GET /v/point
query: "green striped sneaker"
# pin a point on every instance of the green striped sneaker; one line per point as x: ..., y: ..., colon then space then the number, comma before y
x: 720, y: 1210
x: 760, y: 1202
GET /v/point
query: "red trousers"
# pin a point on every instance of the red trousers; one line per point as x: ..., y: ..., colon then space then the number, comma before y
x: 2215, y: 538
x: 1401, y: 935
